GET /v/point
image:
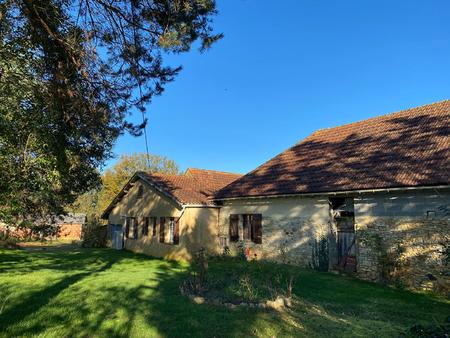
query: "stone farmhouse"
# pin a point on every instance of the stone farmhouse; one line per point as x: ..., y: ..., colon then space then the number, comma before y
x: 370, y: 198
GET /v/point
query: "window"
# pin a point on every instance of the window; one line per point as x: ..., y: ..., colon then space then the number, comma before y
x: 223, y: 242
x: 431, y: 214
x: 127, y: 227
x: 251, y: 228
x: 140, y: 192
x: 176, y: 231
x: 246, y: 224
x: 173, y: 225
x: 131, y: 228
x: 171, y: 229
x: 234, y: 228
x: 145, y: 227
x: 162, y: 223
x: 256, y: 228
x: 153, y: 222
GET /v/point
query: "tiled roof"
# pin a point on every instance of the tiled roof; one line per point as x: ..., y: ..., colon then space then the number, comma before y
x: 409, y: 148
x: 195, y: 186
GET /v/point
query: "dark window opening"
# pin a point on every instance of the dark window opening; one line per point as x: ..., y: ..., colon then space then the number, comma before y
x: 140, y: 192
x: 131, y: 228
x: 234, y: 224
x: 162, y: 223
x: 176, y: 231
x: 145, y: 227
x: 251, y: 228
x: 154, y: 221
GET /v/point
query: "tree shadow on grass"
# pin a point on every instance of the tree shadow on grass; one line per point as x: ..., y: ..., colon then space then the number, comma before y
x: 132, y: 295
x: 35, y: 301
x: 129, y: 295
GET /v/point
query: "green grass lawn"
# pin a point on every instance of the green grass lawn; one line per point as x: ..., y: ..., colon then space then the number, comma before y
x: 107, y: 293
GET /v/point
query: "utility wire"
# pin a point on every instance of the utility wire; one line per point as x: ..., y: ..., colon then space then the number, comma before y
x: 140, y: 92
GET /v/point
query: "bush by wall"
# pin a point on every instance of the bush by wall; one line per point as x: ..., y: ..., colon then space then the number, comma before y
x: 94, y: 233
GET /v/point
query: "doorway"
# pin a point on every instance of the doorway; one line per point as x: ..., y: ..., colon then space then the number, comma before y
x: 343, y: 217
x: 117, y: 236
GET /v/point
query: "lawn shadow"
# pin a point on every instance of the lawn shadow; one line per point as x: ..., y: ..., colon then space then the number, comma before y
x: 108, y: 293
x: 35, y: 301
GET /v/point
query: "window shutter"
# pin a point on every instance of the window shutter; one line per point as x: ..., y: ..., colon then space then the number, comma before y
x: 176, y: 231
x: 145, y: 226
x: 135, y: 228
x: 127, y: 227
x: 257, y: 228
x: 161, y: 229
x: 154, y: 226
x: 246, y: 227
x: 234, y: 223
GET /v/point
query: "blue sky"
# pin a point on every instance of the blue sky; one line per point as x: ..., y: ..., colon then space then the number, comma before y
x: 287, y: 68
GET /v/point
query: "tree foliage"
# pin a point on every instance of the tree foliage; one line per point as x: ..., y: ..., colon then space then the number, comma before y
x: 71, y: 71
x: 96, y: 201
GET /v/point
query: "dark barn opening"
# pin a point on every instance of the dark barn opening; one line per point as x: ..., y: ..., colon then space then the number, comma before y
x: 343, y: 217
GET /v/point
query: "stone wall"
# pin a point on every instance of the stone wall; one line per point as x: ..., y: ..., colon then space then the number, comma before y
x: 402, y: 239
x: 289, y: 240
x: 412, y: 250
x: 290, y: 227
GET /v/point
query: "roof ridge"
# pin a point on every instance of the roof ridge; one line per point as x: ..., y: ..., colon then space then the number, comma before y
x: 379, y: 117
x: 159, y: 174
x: 217, y: 171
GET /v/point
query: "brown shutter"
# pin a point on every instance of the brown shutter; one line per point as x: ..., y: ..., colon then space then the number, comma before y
x: 161, y: 229
x: 135, y: 227
x: 176, y: 231
x: 234, y: 223
x: 127, y: 227
x: 154, y: 226
x: 257, y: 228
x: 145, y: 226
x: 246, y: 227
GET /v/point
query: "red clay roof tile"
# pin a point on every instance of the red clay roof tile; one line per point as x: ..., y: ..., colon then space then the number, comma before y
x: 409, y: 148
x: 196, y: 186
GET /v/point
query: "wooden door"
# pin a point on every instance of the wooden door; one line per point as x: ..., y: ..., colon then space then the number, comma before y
x: 117, y: 237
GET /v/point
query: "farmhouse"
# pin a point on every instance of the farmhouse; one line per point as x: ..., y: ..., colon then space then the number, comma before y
x: 169, y: 216
x: 371, y: 197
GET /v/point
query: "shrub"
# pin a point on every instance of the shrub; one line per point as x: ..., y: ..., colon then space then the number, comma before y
x: 226, y: 251
x: 197, y: 282
x: 319, y: 259
x: 246, y: 288
x: 9, y: 243
x: 94, y: 233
